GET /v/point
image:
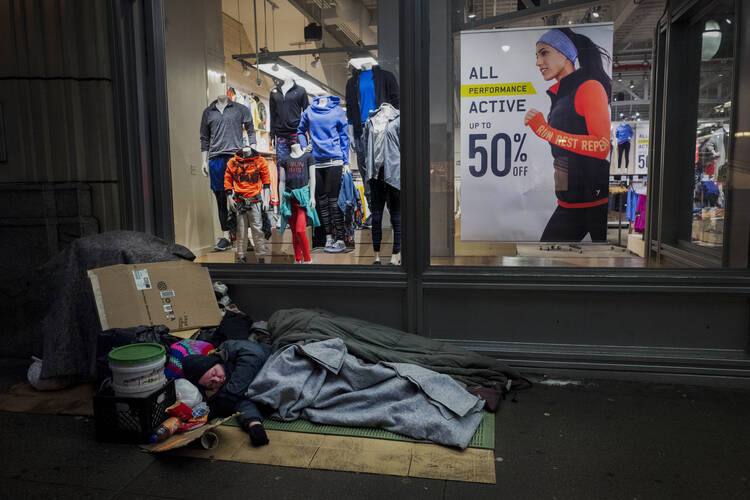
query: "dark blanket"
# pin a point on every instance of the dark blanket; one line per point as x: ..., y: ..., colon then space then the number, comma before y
x: 374, y: 343
x: 70, y: 324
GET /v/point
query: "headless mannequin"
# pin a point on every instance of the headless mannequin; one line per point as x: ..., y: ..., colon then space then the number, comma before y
x: 296, y: 152
x: 222, y: 100
x: 287, y: 85
x: 247, y: 152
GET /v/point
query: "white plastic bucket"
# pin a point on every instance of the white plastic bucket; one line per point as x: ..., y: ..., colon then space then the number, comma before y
x: 136, y: 379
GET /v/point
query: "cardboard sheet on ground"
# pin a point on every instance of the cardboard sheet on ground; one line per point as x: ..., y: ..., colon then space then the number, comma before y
x: 176, y: 294
x: 351, y: 454
x: 180, y: 440
x: 23, y: 398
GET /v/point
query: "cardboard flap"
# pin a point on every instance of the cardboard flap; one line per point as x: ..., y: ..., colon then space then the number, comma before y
x: 177, y: 294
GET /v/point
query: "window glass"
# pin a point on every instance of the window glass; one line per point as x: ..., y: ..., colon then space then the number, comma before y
x: 716, y: 32
x: 539, y: 135
x: 270, y: 106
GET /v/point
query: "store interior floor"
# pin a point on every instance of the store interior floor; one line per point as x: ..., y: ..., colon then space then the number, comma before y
x: 560, y: 439
x: 613, y: 254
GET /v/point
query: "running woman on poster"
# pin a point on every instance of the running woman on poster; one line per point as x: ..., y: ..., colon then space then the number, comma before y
x: 577, y: 129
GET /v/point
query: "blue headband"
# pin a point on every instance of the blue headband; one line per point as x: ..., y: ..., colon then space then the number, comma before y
x: 559, y: 40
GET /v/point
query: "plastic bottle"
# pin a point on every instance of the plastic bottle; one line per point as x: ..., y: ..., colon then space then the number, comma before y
x: 166, y: 429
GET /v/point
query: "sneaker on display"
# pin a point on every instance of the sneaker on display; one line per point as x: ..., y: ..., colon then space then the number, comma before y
x: 220, y: 288
x: 309, y: 262
x: 222, y: 244
x: 261, y: 260
x: 337, y: 247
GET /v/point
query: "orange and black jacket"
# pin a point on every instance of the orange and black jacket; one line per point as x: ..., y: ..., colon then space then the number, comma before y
x: 247, y: 176
x: 578, y: 133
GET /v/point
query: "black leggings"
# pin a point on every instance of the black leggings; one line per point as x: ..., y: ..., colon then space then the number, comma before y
x: 623, y: 147
x: 221, y: 202
x: 327, y: 187
x: 573, y: 224
x: 384, y: 194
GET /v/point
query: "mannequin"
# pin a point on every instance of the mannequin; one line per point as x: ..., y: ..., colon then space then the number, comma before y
x: 326, y: 123
x: 247, y: 185
x: 366, y: 90
x: 221, y: 128
x: 383, y: 174
x: 623, y: 134
x: 296, y: 182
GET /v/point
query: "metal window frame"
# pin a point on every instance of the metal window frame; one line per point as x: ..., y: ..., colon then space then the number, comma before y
x: 417, y: 280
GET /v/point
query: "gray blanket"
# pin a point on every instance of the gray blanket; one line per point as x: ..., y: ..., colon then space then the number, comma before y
x: 374, y: 343
x: 321, y: 382
x: 70, y: 324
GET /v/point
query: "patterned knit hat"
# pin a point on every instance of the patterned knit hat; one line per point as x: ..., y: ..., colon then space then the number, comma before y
x: 179, y: 351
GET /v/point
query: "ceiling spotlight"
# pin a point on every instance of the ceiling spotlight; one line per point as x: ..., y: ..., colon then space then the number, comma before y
x: 637, y: 114
x: 622, y: 114
x: 315, y: 62
x: 619, y: 77
x: 595, y: 12
x: 275, y: 67
x: 505, y: 48
x: 246, y: 70
x: 632, y: 85
x: 471, y: 14
x: 729, y: 21
x: 258, y: 82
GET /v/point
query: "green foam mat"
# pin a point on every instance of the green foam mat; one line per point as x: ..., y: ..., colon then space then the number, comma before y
x: 483, y: 438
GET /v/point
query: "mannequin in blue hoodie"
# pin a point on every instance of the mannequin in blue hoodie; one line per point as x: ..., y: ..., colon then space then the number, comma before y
x: 325, y: 121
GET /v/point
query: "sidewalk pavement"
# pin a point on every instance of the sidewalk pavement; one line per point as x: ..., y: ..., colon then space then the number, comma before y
x: 587, y: 440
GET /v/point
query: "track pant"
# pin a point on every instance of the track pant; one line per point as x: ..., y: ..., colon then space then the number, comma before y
x: 298, y: 224
x: 383, y: 194
x: 327, y: 187
x: 253, y: 219
x: 221, y: 205
x: 573, y: 224
x: 623, y: 147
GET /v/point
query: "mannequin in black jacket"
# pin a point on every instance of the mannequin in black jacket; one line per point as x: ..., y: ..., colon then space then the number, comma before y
x: 386, y: 90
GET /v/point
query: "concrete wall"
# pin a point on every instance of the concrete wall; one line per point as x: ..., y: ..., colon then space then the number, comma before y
x: 57, y: 102
x: 195, y: 69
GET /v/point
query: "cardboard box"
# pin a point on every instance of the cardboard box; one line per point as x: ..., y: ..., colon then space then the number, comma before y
x: 636, y: 244
x: 178, y: 294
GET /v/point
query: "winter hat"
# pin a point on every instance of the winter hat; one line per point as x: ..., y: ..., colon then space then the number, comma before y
x: 195, y: 365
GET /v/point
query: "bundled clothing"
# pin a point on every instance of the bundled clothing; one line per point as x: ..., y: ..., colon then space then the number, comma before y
x: 327, y: 127
x: 321, y: 382
x: 374, y: 343
x: 242, y: 360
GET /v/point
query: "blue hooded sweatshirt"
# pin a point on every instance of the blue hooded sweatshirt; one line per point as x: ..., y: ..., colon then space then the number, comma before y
x: 327, y: 128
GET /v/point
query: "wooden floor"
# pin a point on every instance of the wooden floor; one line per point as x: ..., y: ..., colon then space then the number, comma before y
x: 472, y: 254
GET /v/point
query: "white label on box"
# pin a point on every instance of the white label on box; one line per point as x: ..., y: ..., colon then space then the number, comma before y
x: 142, y: 281
x: 166, y: 293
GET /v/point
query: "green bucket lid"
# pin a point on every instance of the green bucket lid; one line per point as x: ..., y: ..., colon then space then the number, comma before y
x: 136, y: 354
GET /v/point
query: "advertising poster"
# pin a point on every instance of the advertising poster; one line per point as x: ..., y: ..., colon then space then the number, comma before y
x: 530, y: 168
x: 641, y: 149
x: 623, y: 156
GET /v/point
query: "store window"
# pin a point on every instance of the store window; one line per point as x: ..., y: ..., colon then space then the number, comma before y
x: 284, y: 130
x: 539, y: 135
x: 713, y: 125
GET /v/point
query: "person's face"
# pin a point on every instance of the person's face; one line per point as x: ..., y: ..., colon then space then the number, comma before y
x: 213, y: 378
x: 551, y: 62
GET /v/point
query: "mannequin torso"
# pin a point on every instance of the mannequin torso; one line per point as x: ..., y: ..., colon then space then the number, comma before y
x: 286, y: 85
